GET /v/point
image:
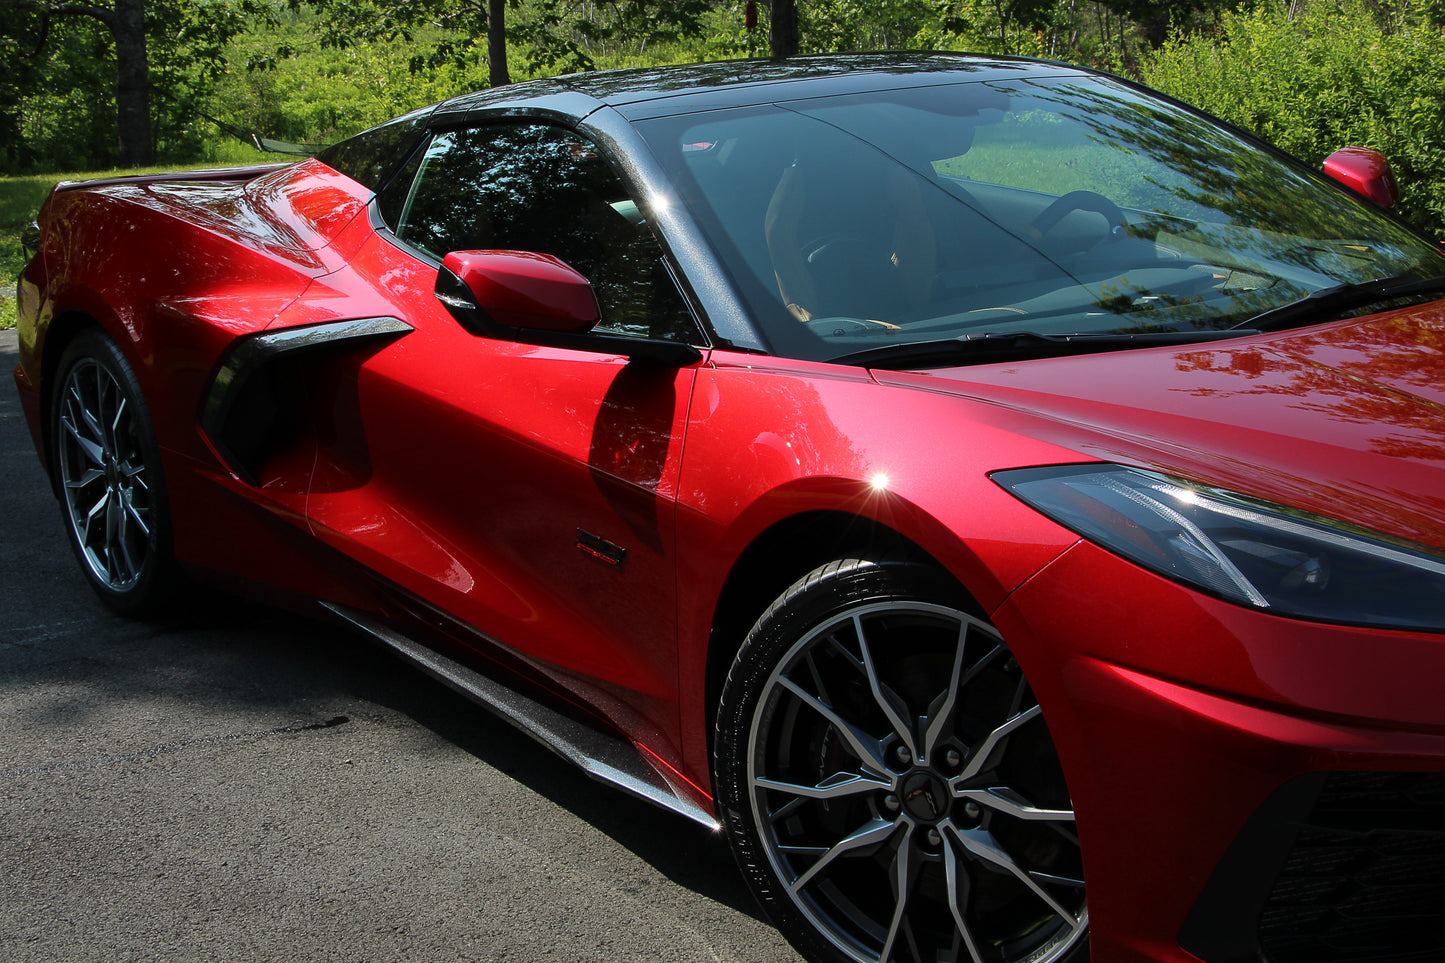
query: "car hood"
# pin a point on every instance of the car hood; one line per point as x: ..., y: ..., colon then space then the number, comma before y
x: 1345, y: 419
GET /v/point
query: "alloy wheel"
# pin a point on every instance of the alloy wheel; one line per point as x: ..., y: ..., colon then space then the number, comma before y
x: 908, y: 796
x: 105, y: 480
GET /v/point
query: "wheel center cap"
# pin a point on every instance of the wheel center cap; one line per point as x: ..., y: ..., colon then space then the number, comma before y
x: 925, y: 797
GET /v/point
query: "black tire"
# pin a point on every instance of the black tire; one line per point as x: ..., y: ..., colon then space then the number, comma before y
x: 108, y: 477
x: 873, y: 730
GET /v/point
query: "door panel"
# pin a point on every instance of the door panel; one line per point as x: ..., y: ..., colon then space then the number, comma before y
x: 473, y: 469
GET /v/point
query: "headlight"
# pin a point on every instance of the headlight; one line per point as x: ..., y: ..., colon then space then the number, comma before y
x: 1265, y: 556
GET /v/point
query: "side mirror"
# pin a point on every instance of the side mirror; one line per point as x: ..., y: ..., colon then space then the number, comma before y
x: 490, y: 291
x: 539, y: 299
x: 1365, y: 171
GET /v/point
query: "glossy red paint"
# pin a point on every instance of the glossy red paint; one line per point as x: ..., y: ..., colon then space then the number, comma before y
x: 443, y: 480
x: 424, y: 498
x: 1344, y: 413
x: 527, y: 290
x: 1365, y: 171
x: 1260, y: 699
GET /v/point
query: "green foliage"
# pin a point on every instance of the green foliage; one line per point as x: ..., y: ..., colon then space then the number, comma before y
x: 58, y: 103
x: 59, y: 115
x: 990, y: 26
x: 20, y: 199
x: 1329, y: 77
x: 311, y: 94
x: 835, y: 26
x: 314, y: 71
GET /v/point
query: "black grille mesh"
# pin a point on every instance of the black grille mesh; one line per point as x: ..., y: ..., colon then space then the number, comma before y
x: 1365, y: 879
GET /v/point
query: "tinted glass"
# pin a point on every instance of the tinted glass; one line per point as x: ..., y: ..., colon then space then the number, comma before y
x: 546, y: 190
x: 371, y: 157
x: 1053, y: 206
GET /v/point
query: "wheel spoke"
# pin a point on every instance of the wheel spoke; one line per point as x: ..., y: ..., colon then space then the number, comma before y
x: 981, y: 844
x: 905, y: 874
x: 91, y: 476
x: 91, y: 422
x: 954, y: 875
x: 97, y: 417
x: 102, y: 505
x: 117, y: 546
x: 892, y: 855
x: 93, y: 450
x: 115, y: 421
x: 979, y: 760
x: 852, y: 786
x: 1005, y: 800
x: 817, y: 678
x: 887, y: 701
x: 871, y: 834
x: 943, y: 715
x: 787, y: 809
x: 803, y: 850
x: 1057, y: 880
x: 982, y: 664
x: 868, y: 750
x: 135, y: 517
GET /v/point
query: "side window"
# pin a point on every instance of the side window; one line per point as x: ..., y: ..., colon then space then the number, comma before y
x: 537, y: 188
x: 371, y: 157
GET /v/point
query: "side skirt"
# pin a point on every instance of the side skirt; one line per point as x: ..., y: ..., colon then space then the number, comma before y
x: 605, y: 757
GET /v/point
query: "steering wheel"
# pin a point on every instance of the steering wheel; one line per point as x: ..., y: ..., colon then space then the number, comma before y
x: 1073, y: 201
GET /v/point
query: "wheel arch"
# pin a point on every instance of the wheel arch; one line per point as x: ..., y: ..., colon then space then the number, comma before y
x: 64, y: 328
x: 780, y: 555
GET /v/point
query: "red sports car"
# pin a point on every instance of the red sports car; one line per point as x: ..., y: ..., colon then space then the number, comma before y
x: 1007, y: 503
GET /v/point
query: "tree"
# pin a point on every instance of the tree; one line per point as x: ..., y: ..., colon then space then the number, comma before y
x: 559, y: 36
x: 126, y: 22
x: 496, y: 26
x: 190, y: 33
x: 783, y: 28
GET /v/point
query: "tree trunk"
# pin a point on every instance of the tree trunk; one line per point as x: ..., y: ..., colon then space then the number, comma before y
x: 132, y: 93
x: 497, y: 73
x: 783, y: 29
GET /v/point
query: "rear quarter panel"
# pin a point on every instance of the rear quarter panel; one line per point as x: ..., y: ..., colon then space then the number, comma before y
x: 175, y: 272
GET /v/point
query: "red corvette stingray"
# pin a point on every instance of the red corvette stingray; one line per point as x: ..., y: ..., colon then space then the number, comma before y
x: 1007, y: 503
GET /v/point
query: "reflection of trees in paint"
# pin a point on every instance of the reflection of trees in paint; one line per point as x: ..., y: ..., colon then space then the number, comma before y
x: 1379, y: 359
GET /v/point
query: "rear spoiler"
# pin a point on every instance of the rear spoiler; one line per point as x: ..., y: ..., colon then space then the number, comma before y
x: 210, y: 174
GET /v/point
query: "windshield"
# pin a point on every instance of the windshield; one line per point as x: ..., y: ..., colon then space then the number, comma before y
x: 1054, y: 207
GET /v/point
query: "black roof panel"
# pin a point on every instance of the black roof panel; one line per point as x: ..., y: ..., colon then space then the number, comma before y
x: 660, y: 91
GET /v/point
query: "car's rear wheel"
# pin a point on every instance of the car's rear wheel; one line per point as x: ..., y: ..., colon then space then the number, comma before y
x: 887, y: 780
x: 108, y: 476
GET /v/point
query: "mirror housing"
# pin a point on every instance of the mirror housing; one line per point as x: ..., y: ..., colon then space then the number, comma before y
x: 517, y: 289
x: 539, y: 299
x: 1365, y: 171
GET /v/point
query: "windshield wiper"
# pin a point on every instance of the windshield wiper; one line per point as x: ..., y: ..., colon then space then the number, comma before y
x: 1020, y: 346
x: 1326, y: 304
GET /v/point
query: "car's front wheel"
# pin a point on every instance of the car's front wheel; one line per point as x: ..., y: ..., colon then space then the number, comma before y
x: 108, y: 476
x: 887, y: 780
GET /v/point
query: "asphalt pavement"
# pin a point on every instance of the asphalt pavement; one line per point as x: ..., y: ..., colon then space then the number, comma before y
x: 233, y: 783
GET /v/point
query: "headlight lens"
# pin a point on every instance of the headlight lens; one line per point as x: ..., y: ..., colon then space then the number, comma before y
x: 1265, y: 556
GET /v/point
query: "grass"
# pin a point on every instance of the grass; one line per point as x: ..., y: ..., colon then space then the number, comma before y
x: 20, y: 199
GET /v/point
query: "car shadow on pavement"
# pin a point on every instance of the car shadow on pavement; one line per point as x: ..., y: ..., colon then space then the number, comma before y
x: 81, y: 684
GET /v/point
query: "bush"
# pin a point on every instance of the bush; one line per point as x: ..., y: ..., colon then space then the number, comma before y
x: 1328, y: 77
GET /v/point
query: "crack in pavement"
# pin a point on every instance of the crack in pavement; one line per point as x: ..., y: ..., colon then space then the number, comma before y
x: 166, y: 748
